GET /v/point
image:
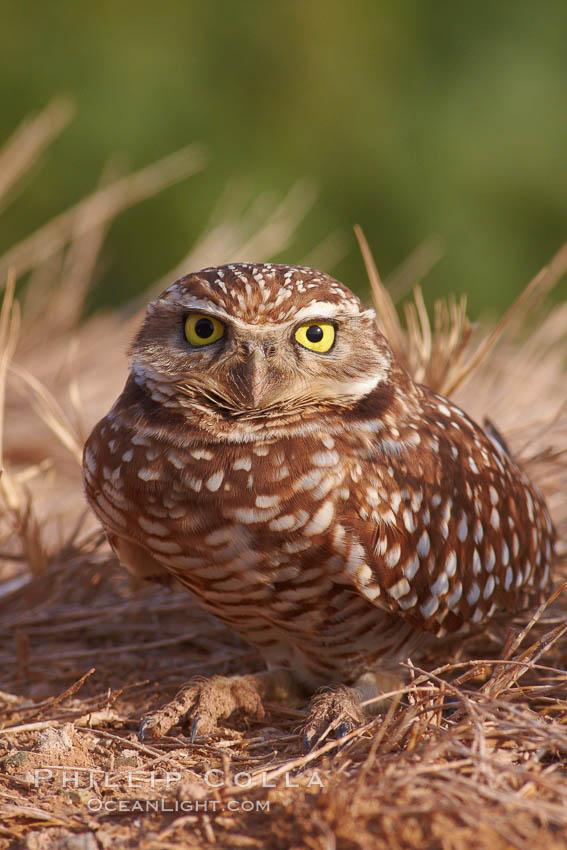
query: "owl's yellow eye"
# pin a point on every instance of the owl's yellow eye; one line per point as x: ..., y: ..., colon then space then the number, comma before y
x: 202, y: 330
x: 317, y: 336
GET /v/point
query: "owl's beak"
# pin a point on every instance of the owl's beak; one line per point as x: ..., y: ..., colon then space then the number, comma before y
x: 256, y: 375
x: 251, y: 377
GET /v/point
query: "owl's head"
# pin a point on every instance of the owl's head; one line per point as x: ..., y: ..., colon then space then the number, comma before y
x: 257, y: 346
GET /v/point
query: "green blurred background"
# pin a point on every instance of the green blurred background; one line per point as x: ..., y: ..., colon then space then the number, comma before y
x: 414, y: 118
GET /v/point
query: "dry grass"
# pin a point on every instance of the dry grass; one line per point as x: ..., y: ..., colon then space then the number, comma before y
x: 471, y: 754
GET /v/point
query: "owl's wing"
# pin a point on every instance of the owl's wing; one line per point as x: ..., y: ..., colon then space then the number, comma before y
x: 450, y: 528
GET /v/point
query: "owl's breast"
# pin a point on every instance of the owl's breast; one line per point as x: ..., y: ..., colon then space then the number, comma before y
x: 254, y: 521
x: 263, y: 513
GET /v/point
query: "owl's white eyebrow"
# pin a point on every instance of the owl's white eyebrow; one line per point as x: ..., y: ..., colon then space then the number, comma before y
x: 321, y: 310
x: 315, y: 310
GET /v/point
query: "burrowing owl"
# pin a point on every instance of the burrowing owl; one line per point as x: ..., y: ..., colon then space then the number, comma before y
x: 270, y: 453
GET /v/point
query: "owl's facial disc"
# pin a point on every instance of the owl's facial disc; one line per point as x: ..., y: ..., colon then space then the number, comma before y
x: 262, y: 343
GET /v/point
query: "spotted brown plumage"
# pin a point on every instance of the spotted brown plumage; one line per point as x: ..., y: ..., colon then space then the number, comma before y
x: 317, y: 500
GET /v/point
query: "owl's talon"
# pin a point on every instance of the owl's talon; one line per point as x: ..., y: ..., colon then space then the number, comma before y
x: 344, y: 728
x: 307, y: 744
x: 334, y: 713
x: 143, y: 728
x: 194, y: 727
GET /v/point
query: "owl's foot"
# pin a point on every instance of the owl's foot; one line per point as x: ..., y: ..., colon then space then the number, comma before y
x: 332, y: 713
x: 203, y: 702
